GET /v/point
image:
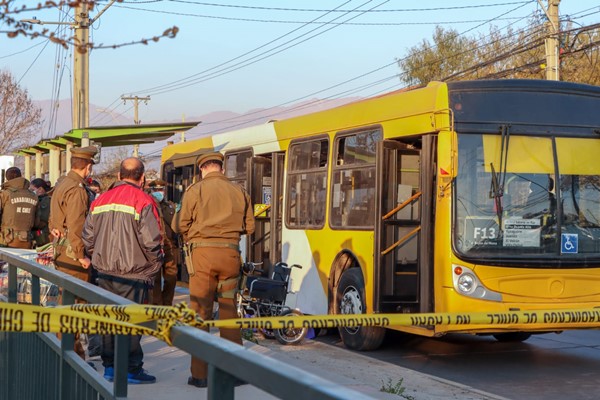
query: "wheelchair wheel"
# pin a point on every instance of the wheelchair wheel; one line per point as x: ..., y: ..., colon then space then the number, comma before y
x: 291, y: 335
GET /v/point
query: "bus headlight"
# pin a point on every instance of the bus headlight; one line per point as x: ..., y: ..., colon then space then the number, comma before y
x: 466, y: 283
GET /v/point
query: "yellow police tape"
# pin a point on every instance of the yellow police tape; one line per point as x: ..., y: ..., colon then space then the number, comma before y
x: 96, y: 319
x: 126, y: 320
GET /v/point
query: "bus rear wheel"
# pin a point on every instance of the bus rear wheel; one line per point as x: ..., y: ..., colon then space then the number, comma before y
x: 351, y: 300
x: 512, y: 336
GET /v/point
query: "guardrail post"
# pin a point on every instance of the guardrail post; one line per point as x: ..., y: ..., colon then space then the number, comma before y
x: 220, y: 384
x: 67, y: 343
x: 121, y: 360
x: 35, y: 290
x: 12, y: 283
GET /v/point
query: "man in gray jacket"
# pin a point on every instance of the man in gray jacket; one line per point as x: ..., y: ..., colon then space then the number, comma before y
x: 122, y: 233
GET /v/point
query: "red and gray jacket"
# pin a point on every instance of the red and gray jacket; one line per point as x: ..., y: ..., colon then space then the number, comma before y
x: 122, y: 233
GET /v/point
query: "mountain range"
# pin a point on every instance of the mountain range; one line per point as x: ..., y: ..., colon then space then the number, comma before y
x: 213, y: 122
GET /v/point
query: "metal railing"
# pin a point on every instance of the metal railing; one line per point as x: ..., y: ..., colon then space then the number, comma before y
x: 39, y: 365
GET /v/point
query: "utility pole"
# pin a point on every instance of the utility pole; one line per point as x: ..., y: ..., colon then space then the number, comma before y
x: 552, y: 42
x: 81, y: 57
x: 136, y: 120
x: 81, y: 67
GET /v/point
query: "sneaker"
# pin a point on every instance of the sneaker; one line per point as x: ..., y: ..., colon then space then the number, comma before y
x: 140, y: 378
x: 109, y: 374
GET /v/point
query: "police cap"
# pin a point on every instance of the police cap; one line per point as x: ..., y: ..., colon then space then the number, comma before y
x: 157, y: 184
x: 212, y: 156
x: 87, y: 153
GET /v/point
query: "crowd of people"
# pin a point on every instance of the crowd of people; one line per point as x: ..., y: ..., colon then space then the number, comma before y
x: 124, y: 240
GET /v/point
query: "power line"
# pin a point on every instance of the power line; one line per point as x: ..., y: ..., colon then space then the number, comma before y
x: 325, y: 10
x: 240, y: 56
x: 274, y: 21
x: 344, y: 82
x: 260, y: 57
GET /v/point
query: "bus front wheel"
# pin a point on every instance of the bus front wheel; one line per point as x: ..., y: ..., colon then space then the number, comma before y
x: 351, y: 300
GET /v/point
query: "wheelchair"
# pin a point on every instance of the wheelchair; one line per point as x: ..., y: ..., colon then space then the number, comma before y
x: 259, y: 296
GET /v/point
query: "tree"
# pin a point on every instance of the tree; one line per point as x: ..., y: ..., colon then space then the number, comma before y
x: 106, y: 173
x: 519, y: 54
x: 20, y: 119
x: 448, y: 53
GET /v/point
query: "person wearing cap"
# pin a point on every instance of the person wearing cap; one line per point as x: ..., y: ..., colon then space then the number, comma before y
x: 166, y: 279
x: 41, y: 233
x: 18, y: 207
x: 214, y: 214
x: 69, y: 205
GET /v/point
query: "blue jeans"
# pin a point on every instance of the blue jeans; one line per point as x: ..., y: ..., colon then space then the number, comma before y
x: 133, y: 290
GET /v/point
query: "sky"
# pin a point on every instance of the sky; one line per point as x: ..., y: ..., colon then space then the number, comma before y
x: 243, y: 55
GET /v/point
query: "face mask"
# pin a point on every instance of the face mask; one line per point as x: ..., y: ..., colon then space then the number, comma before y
x: 158, y: 196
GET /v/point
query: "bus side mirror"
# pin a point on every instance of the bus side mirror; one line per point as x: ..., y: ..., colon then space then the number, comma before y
x: 447, y: 156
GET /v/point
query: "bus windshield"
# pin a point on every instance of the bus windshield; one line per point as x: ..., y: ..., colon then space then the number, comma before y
x: 529, y: 199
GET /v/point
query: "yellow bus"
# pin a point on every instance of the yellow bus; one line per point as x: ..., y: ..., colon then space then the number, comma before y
x: 454, y: 197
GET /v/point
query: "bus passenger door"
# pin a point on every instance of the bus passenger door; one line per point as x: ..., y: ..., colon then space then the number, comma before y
x: 398, y: 250
x: 178, y: 180
x: 265, y: 187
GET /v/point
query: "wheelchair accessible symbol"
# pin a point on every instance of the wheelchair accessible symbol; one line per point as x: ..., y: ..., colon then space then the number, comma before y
x: 569, y: 243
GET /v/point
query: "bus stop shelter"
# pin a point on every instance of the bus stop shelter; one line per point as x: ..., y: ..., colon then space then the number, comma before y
x: 57, y: 150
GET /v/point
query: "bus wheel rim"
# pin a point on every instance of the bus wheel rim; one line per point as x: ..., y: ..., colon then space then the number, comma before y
x: 351, y: 304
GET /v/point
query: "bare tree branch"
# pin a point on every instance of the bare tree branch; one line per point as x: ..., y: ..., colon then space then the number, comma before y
x: 20, y: 119
x: 18, y: 28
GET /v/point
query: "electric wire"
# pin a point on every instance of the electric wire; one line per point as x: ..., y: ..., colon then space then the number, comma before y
x: 256, y: 58
x: 273, y: 21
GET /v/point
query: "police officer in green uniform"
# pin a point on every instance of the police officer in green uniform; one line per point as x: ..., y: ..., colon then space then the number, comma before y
x: 70, y: 203
x: 69, y: 206
x: 41, y: 233
x: 18, y: 206
x: 214, y: 213
x: 166, y: 279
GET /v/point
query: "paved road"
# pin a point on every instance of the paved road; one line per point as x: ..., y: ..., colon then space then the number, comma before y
x: 549, y: 366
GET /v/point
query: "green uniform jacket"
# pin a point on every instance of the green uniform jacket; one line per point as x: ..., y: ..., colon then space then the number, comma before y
x: 68, y: 208
x: 18, y: 207
x: 215, y: 210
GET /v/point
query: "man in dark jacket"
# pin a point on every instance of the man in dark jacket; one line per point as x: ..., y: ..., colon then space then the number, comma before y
x: 122, y: 233
x: 18, y: 206
x: 41, y: 233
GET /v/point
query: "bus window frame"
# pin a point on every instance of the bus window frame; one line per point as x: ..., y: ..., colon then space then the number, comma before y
x: 288, y: 173
x: 243, y: 177
x: 351, y: 167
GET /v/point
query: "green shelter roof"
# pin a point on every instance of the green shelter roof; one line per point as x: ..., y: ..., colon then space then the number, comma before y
x: 111, y: 136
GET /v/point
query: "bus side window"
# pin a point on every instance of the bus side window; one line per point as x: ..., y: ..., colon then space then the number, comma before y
x: 307, y: 183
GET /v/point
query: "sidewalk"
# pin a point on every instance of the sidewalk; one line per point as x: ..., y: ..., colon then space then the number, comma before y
x: 350, y: 369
